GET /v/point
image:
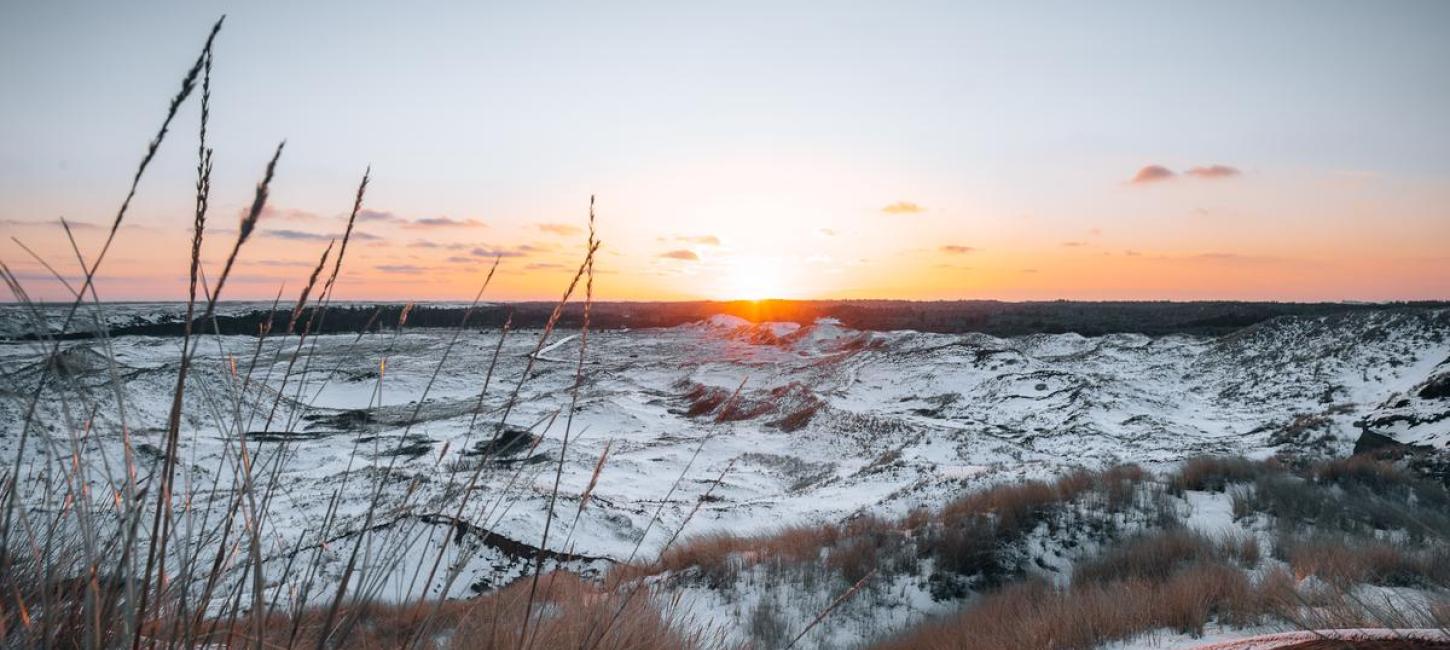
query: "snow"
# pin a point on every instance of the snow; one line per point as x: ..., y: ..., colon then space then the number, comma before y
x: 892, y: 420
x: 1210, y: 513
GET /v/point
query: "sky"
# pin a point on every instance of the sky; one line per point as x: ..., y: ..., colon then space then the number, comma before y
x: 918, y: 150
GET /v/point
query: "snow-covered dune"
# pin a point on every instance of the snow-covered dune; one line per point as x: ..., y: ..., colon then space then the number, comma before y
x: 827, y: 421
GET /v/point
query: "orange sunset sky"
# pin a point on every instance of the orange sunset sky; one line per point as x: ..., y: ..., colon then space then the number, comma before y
x: 912, y: 150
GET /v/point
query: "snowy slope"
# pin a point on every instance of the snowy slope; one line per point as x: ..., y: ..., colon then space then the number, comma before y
x: 827, y: 421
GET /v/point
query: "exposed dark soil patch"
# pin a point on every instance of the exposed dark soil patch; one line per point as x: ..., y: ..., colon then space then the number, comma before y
x: 526, y: 460
x: 281, y: 436
x: 350, y: 420
x: 1437, y: 387
x: 410, y: 447
x: 511, y: 441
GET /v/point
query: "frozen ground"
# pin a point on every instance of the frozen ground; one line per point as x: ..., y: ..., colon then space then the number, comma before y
x: 828, y: 421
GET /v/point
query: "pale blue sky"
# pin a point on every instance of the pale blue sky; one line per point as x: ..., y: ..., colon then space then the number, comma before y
x: 1002, y: 121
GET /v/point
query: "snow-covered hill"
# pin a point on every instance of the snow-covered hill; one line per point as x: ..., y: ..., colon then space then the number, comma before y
x: 776, y: 423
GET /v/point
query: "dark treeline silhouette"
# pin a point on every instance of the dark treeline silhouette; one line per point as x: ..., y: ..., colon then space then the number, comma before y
x: 986, y: 316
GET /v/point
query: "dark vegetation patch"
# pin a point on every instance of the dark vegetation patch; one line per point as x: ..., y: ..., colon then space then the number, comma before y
x: 282, y: 436
x: 1390, y: 533
x: 1215, y: 473
x: 509, y: 442
x: 793, y: 404
x: 1360, y: 495
x: 1302, y: 430
x: 408, y: 447
x: 974, y: 541
x: 1345, y: 522
x: 1437, y: 387
x: 349, y: 420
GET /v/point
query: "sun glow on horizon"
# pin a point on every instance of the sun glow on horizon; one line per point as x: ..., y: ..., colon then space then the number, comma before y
x: 757, y: 278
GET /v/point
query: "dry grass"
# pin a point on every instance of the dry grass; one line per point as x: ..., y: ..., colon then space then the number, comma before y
x: 1151, y: 557
x: 717, y: 558
x: 1173, y: 580
x: 1035, y: 615
x: 969, y: 537
x: 1366, y: 472
x: 1182, y: 580
x: 104, y: 552
x: 1345, y: 562
x: 1157, y: 556
x: 573, y: 615
x: 1216, y: 473
x: 46, y: 602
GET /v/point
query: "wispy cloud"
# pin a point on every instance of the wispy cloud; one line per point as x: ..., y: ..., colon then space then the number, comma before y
x: 1213, y: 171
x: 543, y: 266
x: 561, y: 229
x: 444, y: 222
x: 296, y: 235
x: 681, y: 254
x: 1159, y: 173
x: 407, y: 269
x: 379, y: 216
x: 485, y: 251
x: 903, y: 207
x: 282, y: 263
x: 1152, y: 174
x: 299, y: 235
x: 424, y: 243
x: 703, y: 240
x: 253, y: 278
x: 1074, y: 244
x: 75, y: 225
x: 272, y: 213
x: 957, y: 249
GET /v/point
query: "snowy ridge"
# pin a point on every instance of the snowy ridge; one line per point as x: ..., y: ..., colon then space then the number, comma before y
x: 829, y: 422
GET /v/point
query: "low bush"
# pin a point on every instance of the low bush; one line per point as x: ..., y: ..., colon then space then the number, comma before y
x: 1172, y: 580
x: 1215, y: 473
x: 1345, y: 562
x: 1033, y: 614
x: 1149, y: 557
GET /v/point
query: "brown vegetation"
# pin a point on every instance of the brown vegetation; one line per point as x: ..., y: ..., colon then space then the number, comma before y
x: 579, y: 614
x: 1215, y: 473
x: 1036, y: 615
x: 1173, y: 580
x: 1346, y: 562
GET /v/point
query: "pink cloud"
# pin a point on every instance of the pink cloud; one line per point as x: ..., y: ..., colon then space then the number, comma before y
x: 1152, y: 174
x: 1213, y: 171
x: 903, y: 207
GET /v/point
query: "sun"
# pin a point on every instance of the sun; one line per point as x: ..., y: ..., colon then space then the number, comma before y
x: 755, y: 279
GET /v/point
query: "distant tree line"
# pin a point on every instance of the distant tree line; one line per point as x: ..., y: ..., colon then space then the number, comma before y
x: 986, y: 316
